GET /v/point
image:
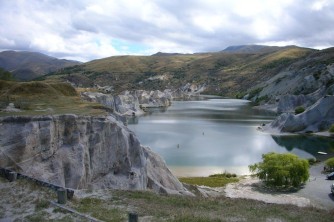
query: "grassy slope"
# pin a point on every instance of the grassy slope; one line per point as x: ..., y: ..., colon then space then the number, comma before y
x: 224, y: 73
x: 111, y: 205
x: 26, y: 201
x: 41, y: 98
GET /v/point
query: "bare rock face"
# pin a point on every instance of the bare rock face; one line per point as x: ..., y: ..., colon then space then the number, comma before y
x: 288, y: 103
x: 82, y: 152
x: 318, y: 117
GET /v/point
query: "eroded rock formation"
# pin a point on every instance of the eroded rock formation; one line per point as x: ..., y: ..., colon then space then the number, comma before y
x: 135, y: 102
x: 82, y: 152
x: 318, y: 117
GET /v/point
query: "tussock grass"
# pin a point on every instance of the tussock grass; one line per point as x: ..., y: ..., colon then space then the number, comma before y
x: 43, y: 98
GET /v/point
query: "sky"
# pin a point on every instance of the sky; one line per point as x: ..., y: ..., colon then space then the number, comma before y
x: 85, y: 30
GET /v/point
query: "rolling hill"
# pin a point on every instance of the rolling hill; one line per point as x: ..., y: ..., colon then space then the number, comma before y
x: 224, y: 73
x: 29, y: 65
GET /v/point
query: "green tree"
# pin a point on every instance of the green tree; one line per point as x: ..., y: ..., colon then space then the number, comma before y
x: 329, y: 164
x: 281, y: 169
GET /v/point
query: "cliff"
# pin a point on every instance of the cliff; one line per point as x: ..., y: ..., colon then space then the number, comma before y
x: 82, y: 152
x: 135, y: 102
x: 318, y: 117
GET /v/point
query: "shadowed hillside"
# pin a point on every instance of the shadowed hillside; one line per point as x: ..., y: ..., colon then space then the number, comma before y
x: 30, y: 65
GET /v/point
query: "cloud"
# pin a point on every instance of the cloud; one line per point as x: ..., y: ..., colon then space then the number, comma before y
x: 91, y: 29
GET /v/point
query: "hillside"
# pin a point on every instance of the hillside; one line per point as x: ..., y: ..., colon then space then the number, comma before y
x: 29, y: 65
x: 224, y: 73
x: 44, y: 98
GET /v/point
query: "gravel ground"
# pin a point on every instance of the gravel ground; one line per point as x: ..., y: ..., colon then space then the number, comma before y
x: 316, y: 192
x: 318, y: 188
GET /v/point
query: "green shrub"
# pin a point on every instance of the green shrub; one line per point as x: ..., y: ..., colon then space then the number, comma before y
x: 331, y: 129
x: 330, y: 163
x: 312, y: 161
x: 281, y: 169
x: 299, y: 109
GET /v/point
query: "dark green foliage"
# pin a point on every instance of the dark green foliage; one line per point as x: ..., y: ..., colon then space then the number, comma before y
x: 281, y: 169
x: 5, y: 75
x: 299, y: 110
x: 254, y: 92
x: 226, y: 174
x: 331, y: 129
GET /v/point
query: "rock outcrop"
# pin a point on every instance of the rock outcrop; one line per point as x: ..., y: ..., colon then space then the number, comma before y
x: 129, y: 103
x: 82, y: 152
x: 135, y: 102
x: 318, y: 117
x: 288, y: 103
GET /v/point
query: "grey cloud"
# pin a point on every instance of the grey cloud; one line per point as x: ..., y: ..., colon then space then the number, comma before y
x: 74, y: 23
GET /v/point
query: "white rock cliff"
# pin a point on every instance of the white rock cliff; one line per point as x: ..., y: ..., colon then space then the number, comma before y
x: 82, y: 152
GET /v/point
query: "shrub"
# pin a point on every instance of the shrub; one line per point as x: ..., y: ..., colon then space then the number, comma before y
x: 281, y: 169
x: 312, y: 161
x: 331, y: 129
x: 329, y: 163
x: 299, y: 109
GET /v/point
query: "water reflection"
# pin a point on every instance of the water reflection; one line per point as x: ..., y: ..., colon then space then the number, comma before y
x: 310, y: 144
x: 218, y: 134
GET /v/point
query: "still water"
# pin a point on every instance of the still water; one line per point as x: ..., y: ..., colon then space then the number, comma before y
x: 199, y: 138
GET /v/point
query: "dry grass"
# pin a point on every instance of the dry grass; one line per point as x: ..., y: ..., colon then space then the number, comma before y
x: 44, y: 98
x: 224, y: 73
x: 23, y: 200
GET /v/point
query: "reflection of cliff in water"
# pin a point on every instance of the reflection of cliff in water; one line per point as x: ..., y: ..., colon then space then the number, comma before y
x: 310, y: 144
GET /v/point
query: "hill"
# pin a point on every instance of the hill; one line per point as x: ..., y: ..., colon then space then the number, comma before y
x: 44, y: 98
x: 29, y: 65
x: 224, y: 73
x: 250, y: 48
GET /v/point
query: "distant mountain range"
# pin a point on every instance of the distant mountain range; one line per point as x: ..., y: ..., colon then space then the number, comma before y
x: 26, y: 65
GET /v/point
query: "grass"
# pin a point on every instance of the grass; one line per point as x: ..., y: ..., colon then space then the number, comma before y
x: 44, y: 98
x: 185, y: 208
x: 115, y: 205
x: 98, y: 208
x: 216, y: 180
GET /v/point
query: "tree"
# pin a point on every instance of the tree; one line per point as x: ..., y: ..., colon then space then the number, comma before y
x: 281, y: 169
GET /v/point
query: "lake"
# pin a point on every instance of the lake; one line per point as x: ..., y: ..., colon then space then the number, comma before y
x: 199, y: 138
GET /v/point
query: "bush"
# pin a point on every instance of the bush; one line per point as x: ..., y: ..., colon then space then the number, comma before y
x: 312, y: 161
x: 299, y: 109
x: 329, y: 164
x: 331, y: 129
x: 281, y: 169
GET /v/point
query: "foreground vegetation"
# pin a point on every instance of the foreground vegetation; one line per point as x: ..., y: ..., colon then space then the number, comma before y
x: 216, y: 180
x: 28, y: 202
